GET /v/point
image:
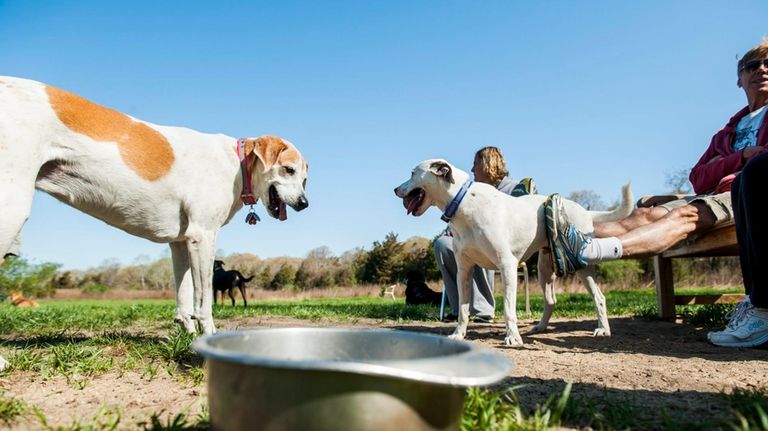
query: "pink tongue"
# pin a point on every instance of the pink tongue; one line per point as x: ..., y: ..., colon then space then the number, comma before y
x: 412, y: 206
x: 283, y: 216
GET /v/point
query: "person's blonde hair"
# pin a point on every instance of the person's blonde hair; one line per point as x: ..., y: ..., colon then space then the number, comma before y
x: 492, y: 162
x: 758, y: 52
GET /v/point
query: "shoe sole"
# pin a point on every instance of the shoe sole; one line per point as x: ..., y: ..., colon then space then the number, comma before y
x: 550, y: 213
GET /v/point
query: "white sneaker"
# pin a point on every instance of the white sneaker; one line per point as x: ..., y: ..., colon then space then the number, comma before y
x: 748, y: 327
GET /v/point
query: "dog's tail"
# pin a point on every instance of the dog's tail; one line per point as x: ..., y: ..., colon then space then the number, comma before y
x: 623, y: 210
x: 247, y: 279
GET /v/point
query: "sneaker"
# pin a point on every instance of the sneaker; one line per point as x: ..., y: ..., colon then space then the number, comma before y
x: 483, y: 319
x: 566, y: 242
x: 748, y: 327
x: 450, y: 318
x: 526, y: 186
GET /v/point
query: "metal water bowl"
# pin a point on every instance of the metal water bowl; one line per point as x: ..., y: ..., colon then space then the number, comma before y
x: 342, y: 379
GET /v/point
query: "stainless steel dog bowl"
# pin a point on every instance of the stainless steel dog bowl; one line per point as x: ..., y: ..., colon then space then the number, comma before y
x: 342, y: 379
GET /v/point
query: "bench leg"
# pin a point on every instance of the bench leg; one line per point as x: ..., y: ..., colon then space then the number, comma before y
x: 665, y: 287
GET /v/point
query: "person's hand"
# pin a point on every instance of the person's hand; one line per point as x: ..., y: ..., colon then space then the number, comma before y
x: 750, y: 152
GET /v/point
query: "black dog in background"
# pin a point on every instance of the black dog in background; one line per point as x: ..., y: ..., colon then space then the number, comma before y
x: 226, y: 281
x: 417, y: 291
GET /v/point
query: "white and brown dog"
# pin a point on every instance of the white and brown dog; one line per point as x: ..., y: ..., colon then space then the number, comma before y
x: 166, y: 184
x: 497, y: 231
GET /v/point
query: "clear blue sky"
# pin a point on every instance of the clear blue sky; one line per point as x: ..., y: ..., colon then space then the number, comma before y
x: 578, y: 94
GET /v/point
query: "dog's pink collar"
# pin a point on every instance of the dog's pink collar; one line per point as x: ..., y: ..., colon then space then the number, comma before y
x: 246, y: 194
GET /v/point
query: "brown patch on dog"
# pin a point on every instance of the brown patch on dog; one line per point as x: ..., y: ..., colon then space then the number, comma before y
x: 142, y: 148
x: 20, y: 301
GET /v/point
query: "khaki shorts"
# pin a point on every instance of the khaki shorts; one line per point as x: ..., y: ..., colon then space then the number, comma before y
x: 719, y: 204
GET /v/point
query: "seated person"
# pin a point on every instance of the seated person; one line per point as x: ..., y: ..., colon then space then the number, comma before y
x: 489, y: 168
x: 734, y: 157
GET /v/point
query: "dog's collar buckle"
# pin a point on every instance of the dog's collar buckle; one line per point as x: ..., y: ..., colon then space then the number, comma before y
x: 452, y: 207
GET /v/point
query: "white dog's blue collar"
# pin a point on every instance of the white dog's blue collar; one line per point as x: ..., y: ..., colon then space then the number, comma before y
x: 452, y: 207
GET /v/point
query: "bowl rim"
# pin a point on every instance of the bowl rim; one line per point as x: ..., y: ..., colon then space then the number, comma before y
x: 474, y: 365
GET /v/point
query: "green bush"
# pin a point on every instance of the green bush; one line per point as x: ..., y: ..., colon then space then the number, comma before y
x: 620, y: 272
x: 95, y: 288
x: 17, y: 274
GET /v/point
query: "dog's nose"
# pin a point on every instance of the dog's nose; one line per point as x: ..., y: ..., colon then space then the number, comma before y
x: 303, y: 203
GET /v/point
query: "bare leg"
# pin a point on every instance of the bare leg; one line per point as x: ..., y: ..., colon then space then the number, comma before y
x: 639, y: 217
x: 656, y: 237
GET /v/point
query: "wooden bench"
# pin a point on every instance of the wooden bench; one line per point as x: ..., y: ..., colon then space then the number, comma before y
x: 720, y: 241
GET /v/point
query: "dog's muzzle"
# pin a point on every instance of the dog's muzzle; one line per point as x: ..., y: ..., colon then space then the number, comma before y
x: 300, y: 204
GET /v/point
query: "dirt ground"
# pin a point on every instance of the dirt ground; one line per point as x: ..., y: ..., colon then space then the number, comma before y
x: 650, y: 363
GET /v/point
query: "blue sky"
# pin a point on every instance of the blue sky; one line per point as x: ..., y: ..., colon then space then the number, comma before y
x: 577, y: 94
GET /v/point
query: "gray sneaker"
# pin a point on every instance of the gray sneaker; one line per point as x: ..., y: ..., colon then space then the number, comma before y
x: 566, y: 242
x: 748, y: 327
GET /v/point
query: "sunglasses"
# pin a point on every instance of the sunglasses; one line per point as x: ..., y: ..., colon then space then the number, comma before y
x: 753, y: 65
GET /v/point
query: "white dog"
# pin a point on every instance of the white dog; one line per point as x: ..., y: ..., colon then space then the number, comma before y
x: 497, y: 231
x: 166, y: 184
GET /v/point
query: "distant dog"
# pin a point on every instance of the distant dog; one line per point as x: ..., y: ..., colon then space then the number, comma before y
x: 18, y: 299
x: 497, y: 231
x: 417, y: 291
x: 227, y: 281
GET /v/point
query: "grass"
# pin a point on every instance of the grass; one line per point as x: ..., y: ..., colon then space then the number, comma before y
x: 78, y: 340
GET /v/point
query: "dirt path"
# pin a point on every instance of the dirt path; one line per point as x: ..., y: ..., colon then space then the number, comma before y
x: 650, y: 363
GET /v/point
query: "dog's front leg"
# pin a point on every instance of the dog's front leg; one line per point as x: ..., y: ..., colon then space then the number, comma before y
x: 184, y: 287
x: 201, y: 245
x: 509, y: 281
x: 464, y: 280
x: 547, y: 279
x: 588, y: 278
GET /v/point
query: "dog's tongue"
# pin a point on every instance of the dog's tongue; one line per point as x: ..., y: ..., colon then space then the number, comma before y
x: 412, y: 206
x: 283, y: 215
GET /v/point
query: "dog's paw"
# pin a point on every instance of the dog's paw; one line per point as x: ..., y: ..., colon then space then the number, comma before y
x: 207, y: 327
x: 513, y: 340
x: 538, y: 328
x: 186, y: 323
x: 3, y: 364
x: 457, y: 335
x: 602, y: 332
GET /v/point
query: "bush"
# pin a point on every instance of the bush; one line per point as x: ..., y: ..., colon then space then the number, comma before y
x: 31, y: 280
x: 620, y: 272
x: 95, y: 288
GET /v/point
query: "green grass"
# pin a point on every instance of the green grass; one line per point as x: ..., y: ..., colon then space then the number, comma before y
x: 79, y: 340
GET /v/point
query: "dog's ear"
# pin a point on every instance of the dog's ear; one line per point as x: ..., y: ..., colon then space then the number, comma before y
x: 265, y: 148
x: 442, y: 169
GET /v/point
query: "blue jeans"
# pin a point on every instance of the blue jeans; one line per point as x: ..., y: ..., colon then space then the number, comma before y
x: 750, y: 211
x: 482, y: 302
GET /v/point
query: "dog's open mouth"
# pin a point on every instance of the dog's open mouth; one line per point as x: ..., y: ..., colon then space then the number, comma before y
x: 276, y: 205
x: 412, y: 202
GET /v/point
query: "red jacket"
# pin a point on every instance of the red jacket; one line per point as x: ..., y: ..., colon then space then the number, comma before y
x: 709, y: 175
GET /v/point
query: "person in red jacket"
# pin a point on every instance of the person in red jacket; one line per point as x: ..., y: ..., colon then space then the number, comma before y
x: 650, y: 231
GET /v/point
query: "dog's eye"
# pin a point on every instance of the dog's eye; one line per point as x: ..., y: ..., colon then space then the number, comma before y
x: 289, y: 170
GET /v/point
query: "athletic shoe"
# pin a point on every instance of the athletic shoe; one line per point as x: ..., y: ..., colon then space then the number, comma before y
x: 526, y: 186
x: 566, y: 242
x: 450, y: 318
x: 483, y: 319
x: 748, y: 327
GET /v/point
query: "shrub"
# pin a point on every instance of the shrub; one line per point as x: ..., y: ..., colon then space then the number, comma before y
x: 620, y: 272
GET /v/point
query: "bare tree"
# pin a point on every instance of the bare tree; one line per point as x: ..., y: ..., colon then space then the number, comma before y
x: 677, y: 181
x: 588, y: 199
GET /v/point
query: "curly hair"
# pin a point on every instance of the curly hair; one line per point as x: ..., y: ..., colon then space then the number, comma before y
x: 758, y: 52
x: 492, y: 162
